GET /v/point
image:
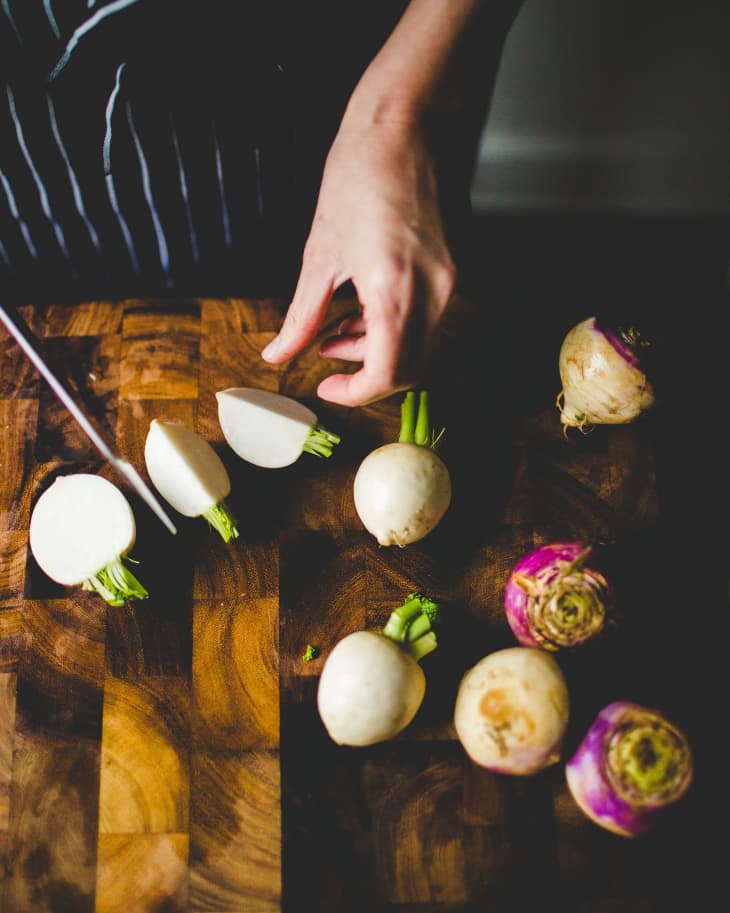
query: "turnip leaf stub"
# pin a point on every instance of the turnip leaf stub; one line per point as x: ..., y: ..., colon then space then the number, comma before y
x: 81, y: 528
x: 190, y: 475
x: 269, y: 429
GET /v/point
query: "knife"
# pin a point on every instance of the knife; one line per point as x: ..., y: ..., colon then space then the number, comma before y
x: 22, y: 334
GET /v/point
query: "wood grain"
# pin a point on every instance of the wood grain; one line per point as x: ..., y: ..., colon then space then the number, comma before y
x: 166, y: 756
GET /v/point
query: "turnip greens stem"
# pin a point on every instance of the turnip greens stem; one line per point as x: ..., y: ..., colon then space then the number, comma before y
x: 411, y: 625
x: 222, y: 520
x: 415, y: 421
x: 320, y: 442
x: 115, y: 583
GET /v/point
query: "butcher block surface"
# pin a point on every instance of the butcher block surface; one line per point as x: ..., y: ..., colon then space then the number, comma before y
x: 167, y: 755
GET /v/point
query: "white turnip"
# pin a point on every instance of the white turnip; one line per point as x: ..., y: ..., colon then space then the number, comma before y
x: 402, y: 489
x: 81, y: 528
x: 189, y: 474
x: 269, y: 429
x: 604, y: 380
x: 371, y: 685
x: 512, y: 710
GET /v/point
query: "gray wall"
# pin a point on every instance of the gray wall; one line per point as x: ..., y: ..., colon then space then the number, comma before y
x: 611, y: 105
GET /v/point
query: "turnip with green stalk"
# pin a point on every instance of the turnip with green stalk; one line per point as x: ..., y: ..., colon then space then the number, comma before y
x: 372, y: 685
x: 81, y: 529
x: 269, y: 429
x: 190, y: 475
x: 403, y: 489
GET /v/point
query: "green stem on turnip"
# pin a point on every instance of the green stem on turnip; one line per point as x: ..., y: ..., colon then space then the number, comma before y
x: 115, y: 583
x: 222, y: 520
x: 319, y: 441
x: 410, y: 625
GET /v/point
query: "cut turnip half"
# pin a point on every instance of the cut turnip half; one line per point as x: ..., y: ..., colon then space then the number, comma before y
x: 189, y: 474
x: 81, y: 528
x: 269, y: 429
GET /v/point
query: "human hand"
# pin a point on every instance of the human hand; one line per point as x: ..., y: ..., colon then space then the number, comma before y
x: 377, y: 223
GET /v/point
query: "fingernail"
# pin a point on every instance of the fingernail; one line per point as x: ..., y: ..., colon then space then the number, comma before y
x: 272, y: 348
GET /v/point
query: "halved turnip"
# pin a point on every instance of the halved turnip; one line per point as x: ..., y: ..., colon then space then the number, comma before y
x: 81, y: 528
x: 269, y: 429
x: 189, y: 474
x: 402, y: 489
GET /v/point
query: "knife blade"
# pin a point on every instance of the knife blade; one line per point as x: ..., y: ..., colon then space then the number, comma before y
x: 22, y: 334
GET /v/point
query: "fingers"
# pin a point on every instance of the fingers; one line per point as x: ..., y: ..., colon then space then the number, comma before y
x: 303, y: 318
x: 347, y: 348
x: 379, y: 352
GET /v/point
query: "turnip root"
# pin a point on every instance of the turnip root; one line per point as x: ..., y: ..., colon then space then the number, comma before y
x: 557, y: 597
x: 511, y: 711
x: 632, y: 764
x: 81, y: 528
x: 189, y: 474
x: 269, y: 429
x: 402, y: 489
x: 604, y: 382
x: 371, y: 685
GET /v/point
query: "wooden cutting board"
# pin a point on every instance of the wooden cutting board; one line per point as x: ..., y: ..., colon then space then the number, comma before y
x: 167, y: 755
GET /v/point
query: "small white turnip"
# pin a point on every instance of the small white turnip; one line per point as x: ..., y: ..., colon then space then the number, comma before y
x: 403, y: 489
x: 371, y: 685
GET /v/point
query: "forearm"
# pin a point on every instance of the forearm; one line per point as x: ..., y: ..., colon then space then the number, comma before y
x: 406, y: 74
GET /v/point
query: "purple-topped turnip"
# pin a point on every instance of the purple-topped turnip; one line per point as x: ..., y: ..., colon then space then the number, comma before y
x: 512, y: 710
x: 632, y: 764
x: 557, y: 597
x: 604, y: 380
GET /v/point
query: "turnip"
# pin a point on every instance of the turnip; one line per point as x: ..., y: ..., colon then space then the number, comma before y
x: 511, y: 711
x: 81, y: 528
x: 189, y: 474
x: 632, y: 764
x: 556, y: 596
x: 269, y: 429
x: 371, y: 685
x: 402, y: 489
x: 604, y: 380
